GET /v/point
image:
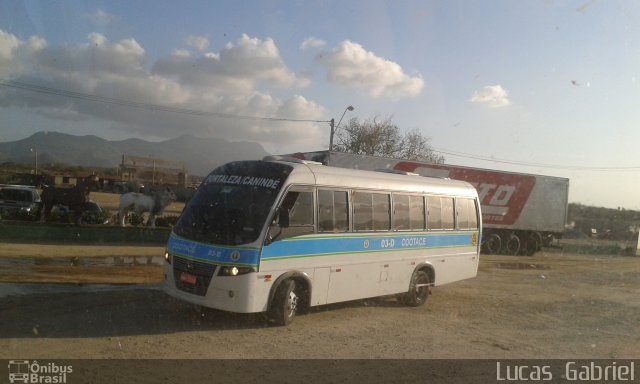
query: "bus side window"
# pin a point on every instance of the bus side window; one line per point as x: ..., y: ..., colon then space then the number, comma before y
x: 408, y: 212
x: 362, y: 211
x: 294, y: 216
x: 448, y: 214
x: 462, y: 213
x: 434, y: 214
x: 371, y: 211
x: 467, y: 214
x: 301, y: 212
x: 473, y: 214
x: 416, y: 205
x: 401, y: 212
x: 381, y: 212
x: 332, y: 211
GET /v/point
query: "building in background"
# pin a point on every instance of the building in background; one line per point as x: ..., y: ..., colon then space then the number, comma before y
x: 151, y: 171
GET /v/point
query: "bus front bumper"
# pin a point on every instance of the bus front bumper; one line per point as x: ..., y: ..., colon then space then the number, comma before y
x: 233, y: 294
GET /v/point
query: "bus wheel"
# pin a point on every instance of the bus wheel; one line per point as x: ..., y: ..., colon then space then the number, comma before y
x: 285, y: 303
x: 493, y: 244
x: 418, y: 289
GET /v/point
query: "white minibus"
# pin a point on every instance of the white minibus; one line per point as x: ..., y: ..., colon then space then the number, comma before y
x: 283, y: 235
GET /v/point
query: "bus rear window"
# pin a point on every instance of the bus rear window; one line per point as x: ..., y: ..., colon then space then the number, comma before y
x: 467, y: 214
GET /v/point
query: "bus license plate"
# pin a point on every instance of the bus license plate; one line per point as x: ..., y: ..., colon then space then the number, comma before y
x: 188, y: 278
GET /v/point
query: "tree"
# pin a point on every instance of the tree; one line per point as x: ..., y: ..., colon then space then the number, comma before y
x: 383, y: 138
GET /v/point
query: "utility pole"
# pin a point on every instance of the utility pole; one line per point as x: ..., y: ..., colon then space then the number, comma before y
x: 333, y: 125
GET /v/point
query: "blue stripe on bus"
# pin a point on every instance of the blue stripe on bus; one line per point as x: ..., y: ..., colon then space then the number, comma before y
x: 212, y: 253
x: 313, y: 246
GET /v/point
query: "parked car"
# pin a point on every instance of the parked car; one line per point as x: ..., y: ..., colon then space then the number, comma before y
x: 19, y: 202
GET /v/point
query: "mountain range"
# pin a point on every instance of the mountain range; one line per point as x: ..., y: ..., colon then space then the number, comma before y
x: 200, y: 155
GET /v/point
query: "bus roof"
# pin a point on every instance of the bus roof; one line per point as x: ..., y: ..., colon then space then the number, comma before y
x: 317, y: 174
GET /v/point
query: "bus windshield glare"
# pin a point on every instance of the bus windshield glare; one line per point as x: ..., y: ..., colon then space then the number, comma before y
x: 233, y: 203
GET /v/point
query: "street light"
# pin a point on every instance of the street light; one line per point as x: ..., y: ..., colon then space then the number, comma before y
x: 334, y: 126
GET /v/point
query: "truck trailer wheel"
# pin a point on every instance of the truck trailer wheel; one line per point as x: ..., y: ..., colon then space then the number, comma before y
x: 532, y: 244
x: 512, y: 247
x: 493, y: 244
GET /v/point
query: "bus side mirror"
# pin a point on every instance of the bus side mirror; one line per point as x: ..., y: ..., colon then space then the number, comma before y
x: 282, y: 222
x: 283, y: 217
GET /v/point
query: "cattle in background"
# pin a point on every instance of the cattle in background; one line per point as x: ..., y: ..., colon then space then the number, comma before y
x: 140, y: 203
x: 74, y: 197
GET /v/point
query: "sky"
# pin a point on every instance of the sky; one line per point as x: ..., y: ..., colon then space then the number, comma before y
x: 543, y: 87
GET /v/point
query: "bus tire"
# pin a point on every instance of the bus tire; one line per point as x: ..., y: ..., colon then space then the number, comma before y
x: 419, y: 289
x: 285, y: 303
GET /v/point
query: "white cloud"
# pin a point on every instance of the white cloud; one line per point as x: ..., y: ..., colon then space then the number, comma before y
x: 8, y: 54
x: 200, y: 43
x: 241, y: 67
x: 8, y: 45
x: 493, y: 96
x: 237, y: 80
x: 311, y: 43
x: 16, y: 55
x: 35, y: 44
x: 97, y: 57
x: 350, y: 65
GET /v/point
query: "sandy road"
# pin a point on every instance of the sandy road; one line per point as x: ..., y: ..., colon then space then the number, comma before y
x: 552, y: 305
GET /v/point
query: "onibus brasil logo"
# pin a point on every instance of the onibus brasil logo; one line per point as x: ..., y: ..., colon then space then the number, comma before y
x: 25, y: 371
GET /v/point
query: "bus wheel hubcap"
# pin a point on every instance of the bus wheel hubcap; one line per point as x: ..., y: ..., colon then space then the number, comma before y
x: 293, y: 303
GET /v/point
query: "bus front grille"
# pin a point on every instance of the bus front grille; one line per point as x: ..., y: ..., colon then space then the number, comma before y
x: 202, y: 272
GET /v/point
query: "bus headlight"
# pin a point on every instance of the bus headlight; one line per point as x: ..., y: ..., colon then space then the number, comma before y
x: 167, y: 257
x: 235, y: 271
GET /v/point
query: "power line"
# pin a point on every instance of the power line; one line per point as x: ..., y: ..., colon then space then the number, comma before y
x: 163, y: 108
x: 135, y: 104
x: 532, y: 164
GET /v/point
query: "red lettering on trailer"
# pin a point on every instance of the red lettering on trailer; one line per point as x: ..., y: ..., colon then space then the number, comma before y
x: 502, y: 195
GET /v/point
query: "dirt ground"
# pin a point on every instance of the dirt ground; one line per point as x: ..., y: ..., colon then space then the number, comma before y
x: 552, y: 305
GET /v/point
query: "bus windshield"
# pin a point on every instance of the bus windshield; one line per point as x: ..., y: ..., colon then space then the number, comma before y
x: 233, y: 203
